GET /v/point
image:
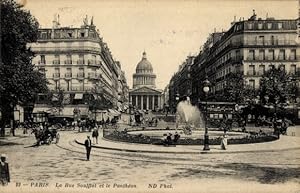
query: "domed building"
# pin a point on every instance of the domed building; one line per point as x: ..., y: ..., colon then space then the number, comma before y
x: 144, y: 94
x: 144, y: 75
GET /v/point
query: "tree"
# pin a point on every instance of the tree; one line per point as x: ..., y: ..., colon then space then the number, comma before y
x: 277, y: 86
x: 236, y: 90
x: 97, y: 101
x: 20, y: 82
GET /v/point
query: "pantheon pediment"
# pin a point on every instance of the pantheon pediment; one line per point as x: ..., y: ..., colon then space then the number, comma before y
x: 145, y: 90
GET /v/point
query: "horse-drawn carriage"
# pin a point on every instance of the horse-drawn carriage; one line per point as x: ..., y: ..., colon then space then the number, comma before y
x: 46, y: 136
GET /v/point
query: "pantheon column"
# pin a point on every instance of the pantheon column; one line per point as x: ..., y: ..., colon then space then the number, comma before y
x: 136, y: 100
x: 142, y: 102
x: 147, y: 102
x: 153, y: 97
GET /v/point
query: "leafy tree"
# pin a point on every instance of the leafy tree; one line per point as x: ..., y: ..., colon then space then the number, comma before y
x: 97, y: 101
x: 19, y: 81
x: 277, y: 86
x: 236, y: 90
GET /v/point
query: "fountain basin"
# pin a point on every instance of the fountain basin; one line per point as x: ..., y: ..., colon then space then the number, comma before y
x: 196, y: 134
x: 196, y: 138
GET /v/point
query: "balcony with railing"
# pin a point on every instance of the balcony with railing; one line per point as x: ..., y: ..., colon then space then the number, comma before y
x: 68, y: 75
x: 56, y: 75
x: 94, y: 63
x: 56, y: 62
x: 270, y: 43
x: 68, y: 61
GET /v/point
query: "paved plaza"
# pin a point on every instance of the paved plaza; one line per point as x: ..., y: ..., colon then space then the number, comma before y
x: 266, y: 165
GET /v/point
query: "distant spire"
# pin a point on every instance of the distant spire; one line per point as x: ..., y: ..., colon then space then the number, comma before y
x: 144, y: 55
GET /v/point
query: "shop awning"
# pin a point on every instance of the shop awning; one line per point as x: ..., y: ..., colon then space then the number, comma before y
x: 78, y: 96
x: 41, y: 110
x: 114, y: 112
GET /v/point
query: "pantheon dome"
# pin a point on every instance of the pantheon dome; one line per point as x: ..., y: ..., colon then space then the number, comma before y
x: 144, y: 75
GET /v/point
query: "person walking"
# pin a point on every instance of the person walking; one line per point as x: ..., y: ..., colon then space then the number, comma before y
x: 96, y: 135
x: 88, y: 147
x: 4, y: 171
x: 224, y: 142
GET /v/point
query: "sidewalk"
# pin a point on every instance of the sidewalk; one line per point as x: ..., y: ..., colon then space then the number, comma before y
x: 284, y: 143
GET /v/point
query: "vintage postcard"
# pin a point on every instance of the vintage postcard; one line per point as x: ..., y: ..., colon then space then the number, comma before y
x: 150, y: 96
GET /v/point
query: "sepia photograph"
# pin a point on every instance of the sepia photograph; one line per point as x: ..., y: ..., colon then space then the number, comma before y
x: 175, y: 96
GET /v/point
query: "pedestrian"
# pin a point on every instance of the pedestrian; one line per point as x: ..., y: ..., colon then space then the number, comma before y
x: 95, y: 135
x: 25, y: 127
x: 4, y: 171
x: 224, y: 142
x: 88, y: 147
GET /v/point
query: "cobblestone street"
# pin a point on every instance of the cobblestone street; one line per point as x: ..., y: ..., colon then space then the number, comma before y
x: 66, y: 162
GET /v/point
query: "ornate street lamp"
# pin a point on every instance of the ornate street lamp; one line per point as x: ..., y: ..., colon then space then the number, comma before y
x: 206, y: 89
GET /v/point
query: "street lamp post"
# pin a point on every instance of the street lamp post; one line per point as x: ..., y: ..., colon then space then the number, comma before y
x: 176, y: 117
x: 177, y: 100
x: 206, y: 84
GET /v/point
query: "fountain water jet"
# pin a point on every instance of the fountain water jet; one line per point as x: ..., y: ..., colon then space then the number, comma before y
x: 189, y: 115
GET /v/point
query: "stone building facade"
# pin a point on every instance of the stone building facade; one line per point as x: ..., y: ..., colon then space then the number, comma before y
x: 75, y: 60
x: 250, y: 47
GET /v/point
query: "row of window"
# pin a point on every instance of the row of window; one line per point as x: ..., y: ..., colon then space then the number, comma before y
x: 268, y: 25
x: 252, y: 55
x: 58, y: 34
x: 272, y: 40
x: 252, y: 71
x: 262, y: 69
x: 271, y: 55
x: 81, y: 59
x: 67, y: 86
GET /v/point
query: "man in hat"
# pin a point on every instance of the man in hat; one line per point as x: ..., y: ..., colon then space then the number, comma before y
x: 4, y: 171
x: 88, y: 147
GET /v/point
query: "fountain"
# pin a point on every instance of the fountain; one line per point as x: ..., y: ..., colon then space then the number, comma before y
x: 188, y: 116
x: 190, y: 127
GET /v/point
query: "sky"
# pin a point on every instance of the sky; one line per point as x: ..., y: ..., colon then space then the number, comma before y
x: 168, y: 31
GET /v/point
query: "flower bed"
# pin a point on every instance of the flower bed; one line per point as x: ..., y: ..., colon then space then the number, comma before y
x: 144, y: 139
